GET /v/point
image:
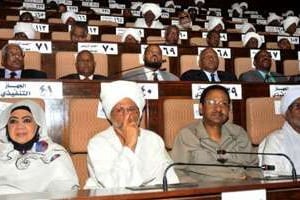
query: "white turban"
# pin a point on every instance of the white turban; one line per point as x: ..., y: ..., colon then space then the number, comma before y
x: 244, y: 4
x: 238, y: 9
x: 272, y: 17
x: 66, y: 15
x: 235, y: 5
x: 213, y: 22
x: 289, y: 21
x: 291, y: 95
x: 113, y: 92
x: 136, y: 5
x: 289, y: 13
x: 197, y: 1
x: 250, y: 35
x: 246, y: 26
x: 133, y: 32
x: 154, y: 8
x: 27, y: 28
x: 169, y: 3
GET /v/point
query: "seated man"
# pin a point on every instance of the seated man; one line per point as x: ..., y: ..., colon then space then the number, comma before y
x: 85, y: 66
x: 199, y: 142
x: 131, y: 36
x: 172, y: 35
x: 126, y: 154
x: 215, y: 23
x: 23, y: 31
x: 290, y: 25
x: 285, y: 140
x: 252, y: 40
x: 151, y: 12
x: 13, y: 63
x: 208, y: 64
x: 152, y: 69
x: 79, y: 32
x: 261, y: 73
x: 284, y: 43
x: 213, y: 39
x: 68, y: 17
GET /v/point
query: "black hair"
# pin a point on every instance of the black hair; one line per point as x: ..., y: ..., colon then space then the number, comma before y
x: 214, y: 87
x: 21, y: 108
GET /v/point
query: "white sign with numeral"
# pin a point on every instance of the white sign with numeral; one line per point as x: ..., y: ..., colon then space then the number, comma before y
x: 39, y: 46
x: 235, y: 90
x: 104, y: 48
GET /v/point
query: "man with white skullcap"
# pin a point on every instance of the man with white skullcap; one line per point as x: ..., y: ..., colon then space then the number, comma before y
x: 126, y: 154
x: 132, y: 36
x: 237, y: 11
x: 290, y: 25
x: 68, y: 17
x: 285, y: 140
x: 215, y: 23
x: 247, y: 27
x: 24, y: 31
x: 273, y: 19
x: 252, y: 40
x: 151, y: 12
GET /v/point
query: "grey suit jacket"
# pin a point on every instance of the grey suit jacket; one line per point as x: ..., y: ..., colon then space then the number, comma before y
x: 255, y: 76
x: 139, y: 75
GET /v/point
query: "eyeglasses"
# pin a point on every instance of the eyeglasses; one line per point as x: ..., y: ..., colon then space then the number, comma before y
x: 295, y: 106
x: 212, y: 102
x: 130, y: 109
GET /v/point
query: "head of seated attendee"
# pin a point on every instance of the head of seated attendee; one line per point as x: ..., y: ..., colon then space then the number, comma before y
x: 61, y: 8
x: 52, y: 5
x: 199, y: 141
x: 125, y: 143
x: 172, y: 35
x: 151, y: 12
x: 215, y: 23
x: 244, y: 6
x: 79, y: 32
x: 126, y: 13
x: 152, y: 69
x: 286, y: 139
x: 26, y: 17
x: 273, y: 19
x: 262, y: 72
x: 131, y: 36
x: 13, y: 63
x: 193, y: 12
x: 169, y: 4
x: 252, y: 40
x: 23, y: 31
x: 30, y: 160
x: 288, y: 13
x: 213, y: 38
x: 237, y: 11
x: 85, y: 66
x: 199, y: 3
x: 208, y: 64
x: 185, y: 21
x: 290, y: 24
x: 284, y: 43
x: 68, y: 18
x: 247, y: 27
x: 136, y: 5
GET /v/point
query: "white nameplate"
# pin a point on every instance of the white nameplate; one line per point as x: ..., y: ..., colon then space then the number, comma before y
x: 223, y: 36
x: 274, y: 53
x: 136, y: 13
x: 39, y: 46
x: 261, y: 21
x: 222, y: 52
x: 117, y: 6
x: 183, y: 35
x: 215, y: 9
x: 240, y: 20
x: 102, y: 11
x: 34, y: 6
x: 36, y: 14
x: 274, y: 29
x: 93, y: 30
x: 239, y: 26
x: 34, y: 1
x: 119, y: 20
x: 169, y: 10
x: 66, y: 2
x: 90, y: 4
x: 150, y: 90
x: 293, y: 40
x: 170, y: 51
x: 196, y: 111
x: 262, y: 37
x: 120, y: 31
x: 260, y: 194
x: 81, y: 18
x: 104, y: 48
x: 280, y: 90
x: 42, y: 28
x: 24, y: 89
x: 235, y: 90
x: 256, y: 17
x: 165, y: 15
x: 72, y: 9
x: 174, y: 22
x: 251, y: 12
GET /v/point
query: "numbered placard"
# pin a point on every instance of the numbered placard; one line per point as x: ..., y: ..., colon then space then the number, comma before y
x: 222, y: 52
x: 235, y: 90
x: 280, y: 90
x: 118, y: 20
x: 39, y: 46
x: 104, y: 48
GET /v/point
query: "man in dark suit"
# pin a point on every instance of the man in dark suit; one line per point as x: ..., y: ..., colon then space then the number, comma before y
x: 85, y: 65
x: 261, y: 73
x: 208, y: 63
x: 13, y: 63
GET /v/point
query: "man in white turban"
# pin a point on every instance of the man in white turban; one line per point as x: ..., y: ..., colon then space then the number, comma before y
x: 247, y: 27
x: 290, y: 25
x: 126, y: 154
x: 68, y: 17
x: 274, y: 20
x: 151, y: 12
x: 131, y: 35
x: 169, y: 4
x: 215, y: 23
x: 24, y: 31
x: 252, y: 40
x: 244, y: 5
x: 237, y: 11
x: 285, y: 140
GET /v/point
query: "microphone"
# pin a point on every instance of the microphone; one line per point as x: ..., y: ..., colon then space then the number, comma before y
x: 165, y: 180
x: 294, y: 173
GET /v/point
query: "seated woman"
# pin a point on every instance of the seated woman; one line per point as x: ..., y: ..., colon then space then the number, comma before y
x: 30, y: 161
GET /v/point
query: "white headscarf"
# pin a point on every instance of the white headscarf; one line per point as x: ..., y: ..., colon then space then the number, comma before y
x: 169, y: 3
x: 113, y: 92
x: 246, y: 27
x: 213, y: 22
x: 66, y: 15
x: 37, y: 113
x: 27, y: 28
x: 291, y: 95
x: 250, y: 35
x: 289, y: 13
x: 136, y: 5
x: 238, y: 9
x: 154, y: 8
x: 289, y: 21
x: 133, y: 32
x: 272, y: 17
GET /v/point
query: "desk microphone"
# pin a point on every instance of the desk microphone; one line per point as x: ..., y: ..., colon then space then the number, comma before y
x: 294, y: 173
x: 165, y: 181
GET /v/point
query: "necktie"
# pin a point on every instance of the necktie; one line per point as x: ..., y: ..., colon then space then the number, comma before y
x: 155, y: 78
x: 212, y: 77
x: 13, y: 75
x: 269, y: 78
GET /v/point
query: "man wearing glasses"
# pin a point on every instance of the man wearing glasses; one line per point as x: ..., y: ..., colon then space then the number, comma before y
x: 200, y: 141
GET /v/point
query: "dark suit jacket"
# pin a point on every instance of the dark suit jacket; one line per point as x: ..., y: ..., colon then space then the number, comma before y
x: 255, y: 76
x: 27, y: 73
x: 199, y: 75
x: 76, y: 76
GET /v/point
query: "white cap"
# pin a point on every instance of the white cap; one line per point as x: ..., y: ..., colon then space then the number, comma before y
x: 250, y: 35
x: 27, y: 28
x: 169, y: 3
x: 238, y: 9
x: 154, y: 8
x: 213, y: 22
x: 133, y: 32
x: 291, y: 95
x: 66, y: 15
x: 289, y: 21
x: 244, y: 4
x: 136, y: 5
x: 246, y: 26
x: 272, y: 17
x: 289, y: 13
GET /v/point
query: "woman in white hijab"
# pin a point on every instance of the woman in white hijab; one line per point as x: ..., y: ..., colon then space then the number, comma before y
x: 151, y: 12
x: 126, y: 154
x: 29, y: 160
